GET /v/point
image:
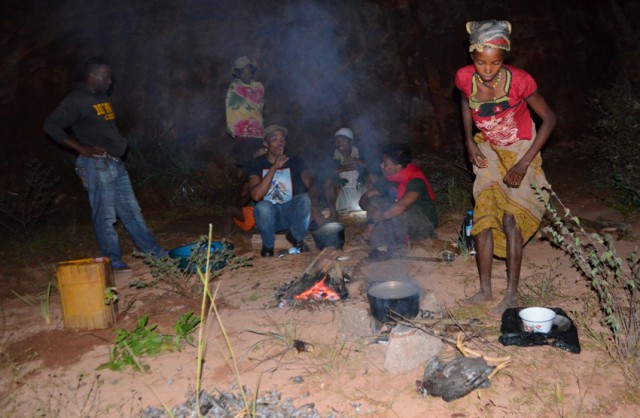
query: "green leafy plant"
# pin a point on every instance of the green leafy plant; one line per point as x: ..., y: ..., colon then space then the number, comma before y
x: 167, y: 274
x: 110, y: 295
x: 186, y: 325
x: 145, y: 340
x: 138, y: 284
x: 615, y: 282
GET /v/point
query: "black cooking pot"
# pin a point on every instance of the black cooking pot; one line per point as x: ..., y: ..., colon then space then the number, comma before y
x: 401, y: 297
x: 330, y: 234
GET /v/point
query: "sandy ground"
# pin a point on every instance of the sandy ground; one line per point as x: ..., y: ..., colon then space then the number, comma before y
x: 49, y: 371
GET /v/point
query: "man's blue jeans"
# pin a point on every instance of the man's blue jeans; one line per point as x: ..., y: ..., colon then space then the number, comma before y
x: 292, y: 216
x: 111, y: 197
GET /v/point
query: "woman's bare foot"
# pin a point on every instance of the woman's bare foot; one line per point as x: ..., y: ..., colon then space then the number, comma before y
x: 478, y: 298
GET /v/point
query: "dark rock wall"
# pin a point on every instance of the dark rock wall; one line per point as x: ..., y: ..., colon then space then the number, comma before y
x: 384, y: 68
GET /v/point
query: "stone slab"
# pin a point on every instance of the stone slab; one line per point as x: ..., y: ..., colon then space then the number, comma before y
x: 409, y: 349
x: 355, y: 321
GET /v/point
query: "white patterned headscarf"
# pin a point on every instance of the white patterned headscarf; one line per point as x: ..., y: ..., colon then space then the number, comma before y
x: 489, y: 33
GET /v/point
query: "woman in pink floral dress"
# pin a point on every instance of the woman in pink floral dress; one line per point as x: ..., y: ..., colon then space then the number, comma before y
x: 244, y: 104
x: 505, y: 153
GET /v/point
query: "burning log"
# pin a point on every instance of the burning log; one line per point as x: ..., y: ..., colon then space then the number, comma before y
x: 319, y: 292
x: 318, y: 287
x: 322, y: 280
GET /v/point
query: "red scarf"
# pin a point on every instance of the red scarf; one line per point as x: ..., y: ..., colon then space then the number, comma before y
x: 410, y: 172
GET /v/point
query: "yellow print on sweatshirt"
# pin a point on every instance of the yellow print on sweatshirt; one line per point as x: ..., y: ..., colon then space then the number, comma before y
x: 104, y: 109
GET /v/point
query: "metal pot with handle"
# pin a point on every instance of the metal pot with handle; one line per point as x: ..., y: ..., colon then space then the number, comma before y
x: 394, y: 297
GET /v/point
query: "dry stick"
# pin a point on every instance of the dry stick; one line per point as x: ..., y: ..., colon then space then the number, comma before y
x: 201, y: 345
x: 234, y: 363
x: 471, y: 353
x: 255, y: 396
x: 407, y: 322
x: 338, y: 269
x: 469, y: 337
x: 122, y: 314
x: 310, y: 266
x: 207, y: 295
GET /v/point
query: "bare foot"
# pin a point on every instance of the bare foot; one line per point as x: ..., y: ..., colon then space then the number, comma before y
x: 478, y: 298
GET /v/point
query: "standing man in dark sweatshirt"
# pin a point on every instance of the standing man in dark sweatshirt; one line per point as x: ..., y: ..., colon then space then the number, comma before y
x: 88, y: 113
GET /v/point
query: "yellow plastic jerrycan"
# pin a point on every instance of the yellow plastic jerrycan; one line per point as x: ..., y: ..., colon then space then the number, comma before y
x: 82, y: 284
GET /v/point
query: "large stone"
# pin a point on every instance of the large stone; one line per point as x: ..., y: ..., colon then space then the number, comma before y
x: 430, y: 307
x: 355, y: 321
x: 410, y: 348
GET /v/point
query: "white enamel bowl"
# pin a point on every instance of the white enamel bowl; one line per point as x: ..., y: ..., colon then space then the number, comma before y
x: 537, y: 319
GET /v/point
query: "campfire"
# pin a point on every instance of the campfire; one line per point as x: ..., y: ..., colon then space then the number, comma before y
x: 321, y: 281
x: 319, y: 292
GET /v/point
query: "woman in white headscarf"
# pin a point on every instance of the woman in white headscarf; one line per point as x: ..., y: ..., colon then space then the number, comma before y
x: 505, y: 153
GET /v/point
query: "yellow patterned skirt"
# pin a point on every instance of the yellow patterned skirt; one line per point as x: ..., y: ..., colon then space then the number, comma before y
x: 494, y: 199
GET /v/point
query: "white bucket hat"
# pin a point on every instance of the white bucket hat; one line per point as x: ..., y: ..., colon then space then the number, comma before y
x: 242, y: 62
x: 346, y: 132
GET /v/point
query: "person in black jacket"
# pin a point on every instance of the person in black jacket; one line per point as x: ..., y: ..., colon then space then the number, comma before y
x: 88, y: 113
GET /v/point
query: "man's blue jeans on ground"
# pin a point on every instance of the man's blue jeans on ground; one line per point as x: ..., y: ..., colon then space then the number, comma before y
x: 292, y: 216
x: 111, y: 197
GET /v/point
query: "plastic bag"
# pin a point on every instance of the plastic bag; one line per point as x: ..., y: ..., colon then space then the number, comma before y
x: 563, y: 334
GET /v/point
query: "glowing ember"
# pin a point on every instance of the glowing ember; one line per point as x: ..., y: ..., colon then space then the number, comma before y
x: 319, y: 292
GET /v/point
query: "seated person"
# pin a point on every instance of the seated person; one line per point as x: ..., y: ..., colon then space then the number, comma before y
x: 400, y: 206
x: 342, y: 187
x: 282, y: 188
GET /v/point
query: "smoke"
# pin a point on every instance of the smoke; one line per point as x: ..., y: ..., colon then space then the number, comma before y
x: 322, y: 75
x: 172, y: 62
x: 311, y: 56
